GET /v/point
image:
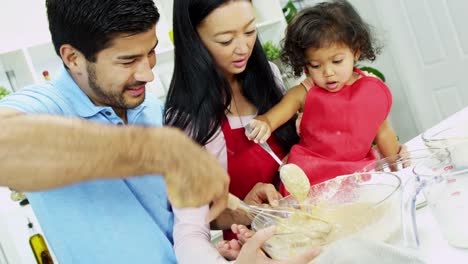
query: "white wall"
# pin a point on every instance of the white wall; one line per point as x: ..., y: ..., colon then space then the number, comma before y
x: 400, y: 116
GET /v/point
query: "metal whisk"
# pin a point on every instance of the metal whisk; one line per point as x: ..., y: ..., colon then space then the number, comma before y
x: 281, y: 217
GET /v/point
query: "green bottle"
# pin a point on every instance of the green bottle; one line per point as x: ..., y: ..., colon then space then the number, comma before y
x: 39, y: 246
x: 289, y: 11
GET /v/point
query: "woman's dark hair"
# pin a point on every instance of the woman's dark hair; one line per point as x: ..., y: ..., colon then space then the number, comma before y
x: 91, y: 25
x: 333, y: 22
x: 199, y: 95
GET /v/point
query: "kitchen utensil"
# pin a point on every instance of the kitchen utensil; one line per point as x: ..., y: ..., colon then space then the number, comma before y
x: 443, y: 177
x: 292, y: 176
x: 368, y: 207
x: 283, y: 217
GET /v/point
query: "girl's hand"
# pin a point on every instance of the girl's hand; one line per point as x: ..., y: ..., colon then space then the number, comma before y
x: 260, y: 129
x: 242, y: 232
x: 231, y: 249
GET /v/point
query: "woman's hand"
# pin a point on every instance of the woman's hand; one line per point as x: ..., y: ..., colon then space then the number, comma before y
x: 251, y: 251
x: 263, y: 193
x: 260, y: 129
x: 260, y: 194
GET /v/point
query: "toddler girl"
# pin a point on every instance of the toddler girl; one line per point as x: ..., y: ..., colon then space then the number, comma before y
x: 345, y: 110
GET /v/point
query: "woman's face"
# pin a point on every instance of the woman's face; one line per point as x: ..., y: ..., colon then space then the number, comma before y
x: 229, y: 33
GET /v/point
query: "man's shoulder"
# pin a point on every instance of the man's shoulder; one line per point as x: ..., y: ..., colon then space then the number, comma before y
x: 43, y: 88
x: 40, y: 98
x: 149, y: 113
x: 153, y: 104
x: 153, y: 100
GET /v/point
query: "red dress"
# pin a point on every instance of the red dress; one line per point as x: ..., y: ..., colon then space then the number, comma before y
x: 337, y: 129
x: 248, y: 164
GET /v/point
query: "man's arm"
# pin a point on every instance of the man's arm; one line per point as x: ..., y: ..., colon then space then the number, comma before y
x: 42, y: 151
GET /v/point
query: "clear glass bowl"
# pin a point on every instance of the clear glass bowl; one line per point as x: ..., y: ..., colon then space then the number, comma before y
x: 365, y: 204
x: 443, y: 137
x: 400, y: 162
x: 402, y: 165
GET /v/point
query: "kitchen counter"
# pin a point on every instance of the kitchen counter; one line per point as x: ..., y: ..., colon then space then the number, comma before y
x: 433, y: 247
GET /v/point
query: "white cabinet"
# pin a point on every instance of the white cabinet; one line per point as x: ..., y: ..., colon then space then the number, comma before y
x: 28, y: 50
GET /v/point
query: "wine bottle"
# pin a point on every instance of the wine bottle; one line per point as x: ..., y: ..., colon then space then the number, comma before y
x: 39, y: 246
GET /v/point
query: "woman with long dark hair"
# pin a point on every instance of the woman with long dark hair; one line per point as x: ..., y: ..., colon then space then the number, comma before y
x: 222, y: 79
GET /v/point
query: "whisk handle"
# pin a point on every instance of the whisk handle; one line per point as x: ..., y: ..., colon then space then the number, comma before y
x: 233, y: 202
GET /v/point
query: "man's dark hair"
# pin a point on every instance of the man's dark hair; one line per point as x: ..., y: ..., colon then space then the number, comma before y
x: 90, y: 25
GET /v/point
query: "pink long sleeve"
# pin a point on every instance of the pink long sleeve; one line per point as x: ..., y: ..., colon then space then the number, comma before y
x: 192, y: 237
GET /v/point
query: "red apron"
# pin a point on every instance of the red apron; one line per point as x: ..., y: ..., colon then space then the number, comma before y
x: 337, y: 129
x: 247, y: 163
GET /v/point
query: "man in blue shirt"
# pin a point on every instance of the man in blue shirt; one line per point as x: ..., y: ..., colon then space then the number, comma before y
x: 107, y: 48
x: 79, y: 171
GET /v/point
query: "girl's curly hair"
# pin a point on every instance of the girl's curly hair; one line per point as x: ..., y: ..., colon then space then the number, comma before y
x: 327, y: 23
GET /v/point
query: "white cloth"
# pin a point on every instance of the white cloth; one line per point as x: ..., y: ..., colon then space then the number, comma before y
x: 357, y: 250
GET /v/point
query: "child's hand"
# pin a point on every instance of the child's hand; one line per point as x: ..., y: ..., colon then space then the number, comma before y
x: 242, y: 232
x: 260, y: 129
x: 231, y: 249
x: 228, y: 249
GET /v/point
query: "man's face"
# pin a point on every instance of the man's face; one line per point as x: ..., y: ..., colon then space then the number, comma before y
x: 121, y: 71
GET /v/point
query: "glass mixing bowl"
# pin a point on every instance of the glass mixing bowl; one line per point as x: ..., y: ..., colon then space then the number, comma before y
x: 443, y: 137
x: 366, y: 204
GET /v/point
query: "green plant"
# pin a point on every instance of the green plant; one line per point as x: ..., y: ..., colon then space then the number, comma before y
x: 289, y: 11
x: 374, y: 71
x: 272, y: 51
x: 3, y: 92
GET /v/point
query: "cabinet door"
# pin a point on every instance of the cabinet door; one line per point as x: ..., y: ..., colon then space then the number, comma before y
x: 429, y: 40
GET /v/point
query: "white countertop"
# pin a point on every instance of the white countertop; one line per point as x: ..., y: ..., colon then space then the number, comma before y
x: 433, y: 247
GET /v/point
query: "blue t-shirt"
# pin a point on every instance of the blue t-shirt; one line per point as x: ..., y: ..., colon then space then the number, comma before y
x: 101, y: 221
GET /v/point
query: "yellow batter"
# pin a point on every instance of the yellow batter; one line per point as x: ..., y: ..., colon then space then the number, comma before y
x: 295, y: 181
x: 304, y: 231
